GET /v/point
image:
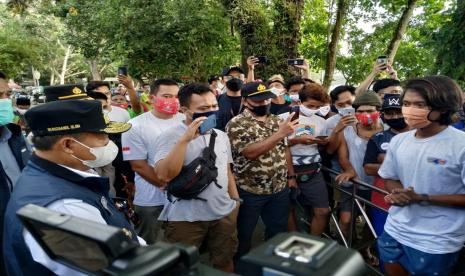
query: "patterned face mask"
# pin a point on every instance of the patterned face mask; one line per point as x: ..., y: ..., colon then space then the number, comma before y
x: 367, y: 119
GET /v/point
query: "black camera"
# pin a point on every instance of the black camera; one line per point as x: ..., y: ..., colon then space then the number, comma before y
x: 301, y: 254
x: 98, y: 249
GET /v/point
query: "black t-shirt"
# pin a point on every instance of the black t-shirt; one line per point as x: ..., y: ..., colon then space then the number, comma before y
x: 378, y: 144
x: 235, y: 104
x: 277, y: 109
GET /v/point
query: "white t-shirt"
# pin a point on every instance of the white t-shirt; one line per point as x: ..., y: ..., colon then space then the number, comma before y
x: 433, y: 166
x: 118, y: 114
x: 139, y: 144
x: 331, y: 123
x: 218, y: 203
x: 314, y: 126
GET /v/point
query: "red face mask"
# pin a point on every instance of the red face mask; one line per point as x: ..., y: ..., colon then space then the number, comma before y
x: 166, y: 105
x: 367, y: 119
x: 125, y: 106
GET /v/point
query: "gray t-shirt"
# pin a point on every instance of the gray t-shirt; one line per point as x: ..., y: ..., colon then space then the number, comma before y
x: 218, y: 203
x: 357, y: 148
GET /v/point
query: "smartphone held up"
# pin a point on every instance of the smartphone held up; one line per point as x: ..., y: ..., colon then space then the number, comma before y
x: 123, y: 70
x: 293, y: 62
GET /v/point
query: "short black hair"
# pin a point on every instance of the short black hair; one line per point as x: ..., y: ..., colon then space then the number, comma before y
x: 213, y: 78
x: 441, y: 93
x: 2, y: 75
x: 97, y: 95
x: 45, y: 143
x: 341, y: 89
x: 293, y: 81
x: 93, y: 85
x: 384, y: 83
x: 188, y: 90
x: 155, y: 86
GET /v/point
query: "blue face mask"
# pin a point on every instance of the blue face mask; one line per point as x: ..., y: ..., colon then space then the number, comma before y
x: 6, y: 112
x: 287, y: 98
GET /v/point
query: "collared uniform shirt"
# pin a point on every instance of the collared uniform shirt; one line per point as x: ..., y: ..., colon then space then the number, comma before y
x: 69, y: 206
x: 266, y: 174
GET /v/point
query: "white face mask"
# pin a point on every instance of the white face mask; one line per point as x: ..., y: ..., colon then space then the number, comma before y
x: 307, y: 111
x: 294, y: 97
x: 21, y: 111
x: 103, y: 155
x: 324, y: 110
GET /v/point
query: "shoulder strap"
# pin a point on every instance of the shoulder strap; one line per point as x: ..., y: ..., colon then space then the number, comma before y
x: 213, y: 135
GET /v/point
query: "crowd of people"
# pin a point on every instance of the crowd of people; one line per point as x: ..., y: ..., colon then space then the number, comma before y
x: 89, y: 147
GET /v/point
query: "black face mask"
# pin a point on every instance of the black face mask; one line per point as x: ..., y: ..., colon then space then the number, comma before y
x: 234, y: 84
x: 261, y: 110
x: 397, y: 124
x: 203, y: 114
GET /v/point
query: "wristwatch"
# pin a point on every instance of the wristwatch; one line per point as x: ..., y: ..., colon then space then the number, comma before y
x: 424, y: 200
x: 238, y: 199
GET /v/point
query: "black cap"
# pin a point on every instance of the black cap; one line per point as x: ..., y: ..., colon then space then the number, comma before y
x: 73, y: 116
x: 384, y: 83
x: 257, y: 91
x: 213, y: 78
x: 391, y: 101
x: 228, y: 70
x: 23, y: 99
x: 65, y: 92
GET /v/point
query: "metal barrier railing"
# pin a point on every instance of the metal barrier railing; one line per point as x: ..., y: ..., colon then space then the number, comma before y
x: 356, y: 203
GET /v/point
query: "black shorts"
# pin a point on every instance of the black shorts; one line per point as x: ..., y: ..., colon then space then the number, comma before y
x: 346, y: 202
x: 313, y: 191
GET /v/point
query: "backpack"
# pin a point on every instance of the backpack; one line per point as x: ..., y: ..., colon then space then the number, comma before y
x: 195, y: 177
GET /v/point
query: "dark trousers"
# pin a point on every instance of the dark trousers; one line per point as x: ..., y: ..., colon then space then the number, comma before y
x: 274, y: 210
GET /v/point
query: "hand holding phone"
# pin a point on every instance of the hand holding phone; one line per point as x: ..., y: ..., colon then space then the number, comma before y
x: 208, y: 124
x: 346, y: 111
x: 297, y: 61
x: 296, y: 110
x: 382, y: 60
x: 123, y: 70
x: 263, y: 59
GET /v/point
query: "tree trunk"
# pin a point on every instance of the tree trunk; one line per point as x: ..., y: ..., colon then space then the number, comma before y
x: 342, y: 6
x: 286, y: 31
x: 52, y: 77
x: 400, y: 30
x: 94, y: 69
x: 65, y: 65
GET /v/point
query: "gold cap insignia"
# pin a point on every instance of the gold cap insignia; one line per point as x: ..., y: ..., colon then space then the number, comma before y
x: 261, y: 88
x: 107, y: 119
x: 76, y: 90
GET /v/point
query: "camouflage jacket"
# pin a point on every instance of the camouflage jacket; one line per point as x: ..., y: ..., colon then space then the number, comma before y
x: 268, y: 173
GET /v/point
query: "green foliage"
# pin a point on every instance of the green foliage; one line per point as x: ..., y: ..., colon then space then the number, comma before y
x: 168, y: 38
x: 192, y: 38
x: 416, y: 55
x: 18, y: 51
x: 450, y: 45
x: 314, y: 28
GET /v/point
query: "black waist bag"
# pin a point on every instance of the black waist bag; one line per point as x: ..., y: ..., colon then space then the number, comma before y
x: 195, y: 177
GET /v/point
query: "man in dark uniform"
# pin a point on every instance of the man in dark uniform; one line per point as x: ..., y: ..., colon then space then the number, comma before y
x: 70, y: 138
x: 14, y: 153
